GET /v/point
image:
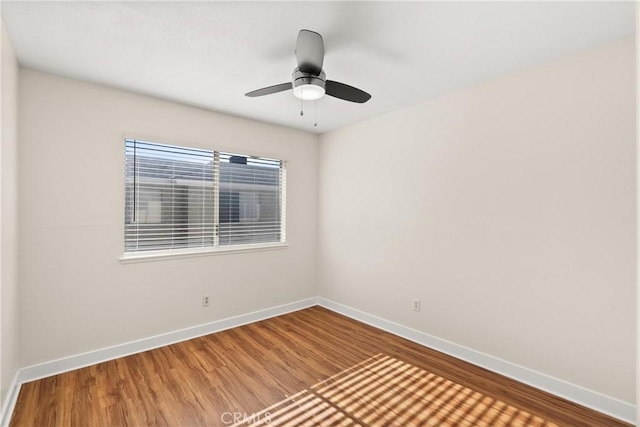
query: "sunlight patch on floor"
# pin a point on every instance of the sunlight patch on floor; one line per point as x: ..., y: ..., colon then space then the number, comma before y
x: 384, y: 391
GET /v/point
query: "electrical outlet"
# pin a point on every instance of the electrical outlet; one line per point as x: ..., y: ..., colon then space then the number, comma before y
x: 205, y: 300
x: 416, y: 305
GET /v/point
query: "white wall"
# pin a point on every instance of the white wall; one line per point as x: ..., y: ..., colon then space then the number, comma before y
x: 75, y: 294
x: 9, y: 362
x: 507, y: 208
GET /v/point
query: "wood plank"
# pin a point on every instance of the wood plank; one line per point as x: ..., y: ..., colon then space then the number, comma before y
x: 308, y: 368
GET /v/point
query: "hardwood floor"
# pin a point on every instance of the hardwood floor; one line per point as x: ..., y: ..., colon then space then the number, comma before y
x: 308, y: 368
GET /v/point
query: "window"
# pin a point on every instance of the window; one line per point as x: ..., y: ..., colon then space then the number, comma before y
x: 180, y: 198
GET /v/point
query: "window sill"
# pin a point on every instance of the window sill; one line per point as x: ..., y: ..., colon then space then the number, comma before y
x: 195, y: 252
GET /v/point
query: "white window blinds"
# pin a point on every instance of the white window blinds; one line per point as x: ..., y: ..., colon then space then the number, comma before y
x: 249, y: 202
x: 179, y: 197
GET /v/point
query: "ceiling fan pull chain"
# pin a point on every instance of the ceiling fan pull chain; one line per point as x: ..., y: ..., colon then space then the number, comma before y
x: 315, y: 108
x: 301, y: 112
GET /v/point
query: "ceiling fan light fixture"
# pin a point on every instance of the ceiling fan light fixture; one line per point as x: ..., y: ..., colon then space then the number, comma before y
x: 308, y: 92
x: 307, y: 86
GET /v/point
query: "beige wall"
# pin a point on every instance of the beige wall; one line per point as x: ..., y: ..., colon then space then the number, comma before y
x: 75, y: 294
x: 508, y: 209
x: 9, y: 362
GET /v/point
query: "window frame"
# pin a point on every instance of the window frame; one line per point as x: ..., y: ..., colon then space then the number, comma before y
x: 215, y: 248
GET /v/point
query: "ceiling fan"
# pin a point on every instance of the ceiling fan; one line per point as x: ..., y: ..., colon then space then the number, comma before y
x: 309, y: 80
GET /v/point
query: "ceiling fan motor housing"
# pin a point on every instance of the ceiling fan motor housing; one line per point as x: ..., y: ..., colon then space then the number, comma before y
x: 308, y: 86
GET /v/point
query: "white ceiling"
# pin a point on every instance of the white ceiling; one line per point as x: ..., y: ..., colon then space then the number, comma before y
x: 209, y: 54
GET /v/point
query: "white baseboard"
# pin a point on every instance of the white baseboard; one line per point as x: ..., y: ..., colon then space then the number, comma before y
x: 47, y: 369
x: 10, y: 401
x: 580, y: 395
